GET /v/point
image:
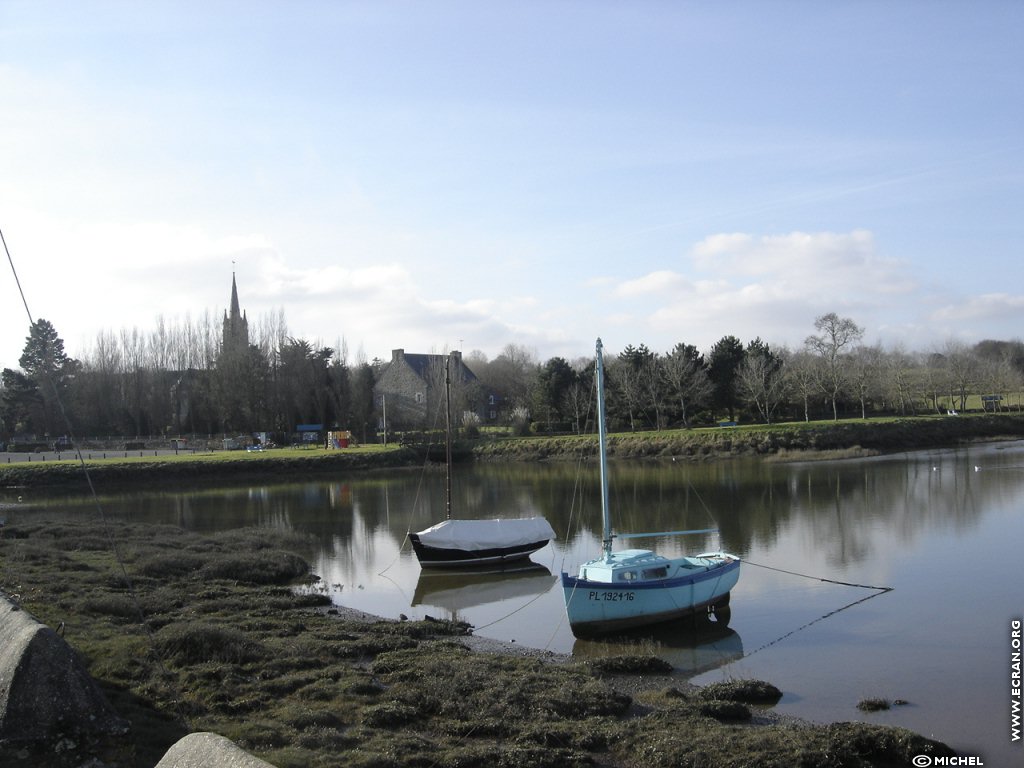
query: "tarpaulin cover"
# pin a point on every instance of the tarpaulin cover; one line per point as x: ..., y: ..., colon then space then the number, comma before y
x: 486, y: 534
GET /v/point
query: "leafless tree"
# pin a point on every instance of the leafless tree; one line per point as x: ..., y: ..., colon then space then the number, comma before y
x: 802, y: 377
x: 836, y: 335
x: 899, y: 375
x: 865, y: 371
x: 761, y: 378
x: 687, y: 379
x: 962, y: 367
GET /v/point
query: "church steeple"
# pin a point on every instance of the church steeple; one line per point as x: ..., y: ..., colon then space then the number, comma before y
x: 235, y: 311
x: 236, y: 325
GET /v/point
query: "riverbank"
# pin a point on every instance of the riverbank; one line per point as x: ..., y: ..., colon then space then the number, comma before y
x: 787, y: 442
x: 187, y: 631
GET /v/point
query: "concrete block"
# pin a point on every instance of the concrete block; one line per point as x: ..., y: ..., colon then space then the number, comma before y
x: 208, y: 750
x: 49, y: 705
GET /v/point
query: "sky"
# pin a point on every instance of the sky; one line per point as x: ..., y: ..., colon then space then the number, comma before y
x: 469, y: 175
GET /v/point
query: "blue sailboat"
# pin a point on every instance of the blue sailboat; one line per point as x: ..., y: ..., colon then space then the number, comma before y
x: 632, y: 588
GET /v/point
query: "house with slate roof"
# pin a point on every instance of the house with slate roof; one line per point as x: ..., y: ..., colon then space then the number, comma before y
x: 410, y: 390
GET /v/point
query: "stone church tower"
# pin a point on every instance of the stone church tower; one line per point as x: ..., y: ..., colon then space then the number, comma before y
x: 236, y: 327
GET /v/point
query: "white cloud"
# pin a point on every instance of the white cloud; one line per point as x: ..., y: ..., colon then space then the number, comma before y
x: 772, y: 286
x: 661, y: 282
x: 1001, y: 307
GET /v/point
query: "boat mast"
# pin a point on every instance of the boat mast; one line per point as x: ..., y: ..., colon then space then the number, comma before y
x: 602, y: 438
x: 447, y: 439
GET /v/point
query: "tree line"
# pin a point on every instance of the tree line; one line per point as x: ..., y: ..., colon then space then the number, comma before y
x: 178, y: 379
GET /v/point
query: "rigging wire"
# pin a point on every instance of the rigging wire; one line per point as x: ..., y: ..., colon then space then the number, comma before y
x: 420, y: 494
x: 104, y: 521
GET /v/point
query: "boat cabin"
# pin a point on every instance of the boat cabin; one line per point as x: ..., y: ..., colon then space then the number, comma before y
x: 625, y: 566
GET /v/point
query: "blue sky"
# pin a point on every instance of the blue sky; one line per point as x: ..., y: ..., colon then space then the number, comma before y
x: 434, y: 175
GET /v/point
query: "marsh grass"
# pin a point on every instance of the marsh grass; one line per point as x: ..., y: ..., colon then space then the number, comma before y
x: 874, y: 705
x: 226, y: 644
x: 744, y: 691
x: 631, y: 665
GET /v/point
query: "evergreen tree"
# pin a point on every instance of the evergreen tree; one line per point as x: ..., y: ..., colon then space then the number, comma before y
x: 723, y: 370
x: 33, y: 399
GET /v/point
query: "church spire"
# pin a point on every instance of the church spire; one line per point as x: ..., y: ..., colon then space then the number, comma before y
x: 236, y: 325
x: 235, y: 311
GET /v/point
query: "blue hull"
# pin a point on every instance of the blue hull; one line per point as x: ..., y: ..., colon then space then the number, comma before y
x: 600, y: 607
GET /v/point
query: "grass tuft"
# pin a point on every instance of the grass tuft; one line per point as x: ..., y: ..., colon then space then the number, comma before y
x: 631, y: 665
x: 197, y: 643
x: 873, y: 705
x: 744, y: 691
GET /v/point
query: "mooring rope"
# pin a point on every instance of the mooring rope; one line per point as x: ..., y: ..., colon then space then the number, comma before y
x: 878, y: 591
x: 815, y: 621
x: 817, y: 578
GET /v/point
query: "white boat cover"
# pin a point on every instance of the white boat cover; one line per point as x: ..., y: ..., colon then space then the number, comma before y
x: 486, y: 534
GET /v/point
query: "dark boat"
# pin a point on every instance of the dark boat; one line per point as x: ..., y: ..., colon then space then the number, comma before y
x: 474, y: 542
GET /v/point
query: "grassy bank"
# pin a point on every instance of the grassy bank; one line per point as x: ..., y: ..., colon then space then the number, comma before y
x: 282, y: 464
x: 786, y: 441
x: 191, y: 632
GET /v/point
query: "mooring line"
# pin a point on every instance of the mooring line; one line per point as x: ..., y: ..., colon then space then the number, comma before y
x: 527, y: 604
x: 878, y: 591
x: 815, y: 621
x: 818, y: 578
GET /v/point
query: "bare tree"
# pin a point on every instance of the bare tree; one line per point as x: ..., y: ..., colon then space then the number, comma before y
x: 579, y: 397
x: 935, y: 380
x: 687, y: 379
x: 899, y: 372
x: 640, y: 379
x: 998, y: 376
x: 625, y: 375
x: 835, y: 335
x: 865, y: 364
x: 761, y: 378
x: 801, y: 371
x: 962, y: 366
x: 509, y: 376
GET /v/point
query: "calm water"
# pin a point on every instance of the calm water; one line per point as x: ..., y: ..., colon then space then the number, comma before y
x: 944, y: 529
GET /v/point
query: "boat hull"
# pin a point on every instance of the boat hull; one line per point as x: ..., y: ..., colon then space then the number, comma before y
x: 600, y: 607
x: 439, y: 557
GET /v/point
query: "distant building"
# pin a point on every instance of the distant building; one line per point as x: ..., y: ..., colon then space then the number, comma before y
x: 236, y: 326
x: 410, y: 390
x: 234, y: 368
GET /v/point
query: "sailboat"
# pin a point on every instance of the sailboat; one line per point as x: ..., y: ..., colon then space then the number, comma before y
x: 636, y: 587
x: 475, y: 542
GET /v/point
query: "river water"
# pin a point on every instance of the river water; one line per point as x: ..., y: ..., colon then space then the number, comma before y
x: 943, y: 529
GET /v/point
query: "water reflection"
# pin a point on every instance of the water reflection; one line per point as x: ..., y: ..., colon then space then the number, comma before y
x: 888, y: 521
x: 454, y: 592
x: 692, y: 646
